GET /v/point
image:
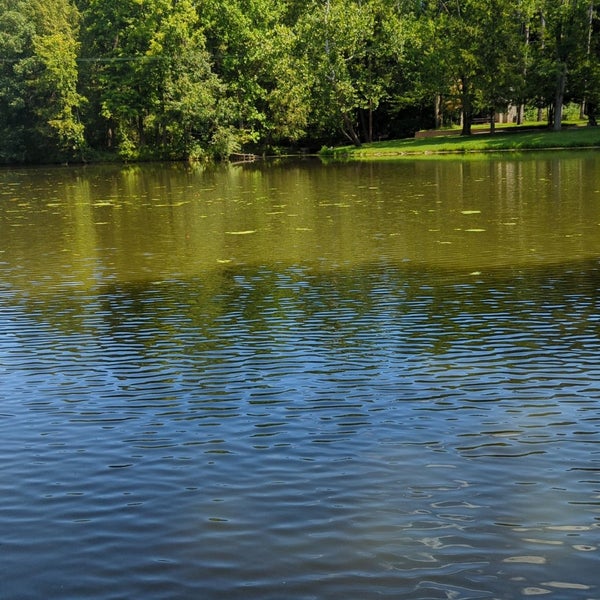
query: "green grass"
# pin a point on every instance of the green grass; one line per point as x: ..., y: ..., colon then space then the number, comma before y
x: 501, y: 141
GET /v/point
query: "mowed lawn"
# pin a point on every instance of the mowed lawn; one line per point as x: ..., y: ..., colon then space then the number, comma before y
x: 501, y: 141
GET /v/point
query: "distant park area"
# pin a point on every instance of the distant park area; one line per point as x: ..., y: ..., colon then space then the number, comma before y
x: 481, y: 141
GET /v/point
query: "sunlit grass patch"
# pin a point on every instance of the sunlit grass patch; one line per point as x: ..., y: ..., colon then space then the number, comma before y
x: 501, y: 141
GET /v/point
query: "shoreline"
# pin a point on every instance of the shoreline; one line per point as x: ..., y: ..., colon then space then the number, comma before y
x: 571, y: 138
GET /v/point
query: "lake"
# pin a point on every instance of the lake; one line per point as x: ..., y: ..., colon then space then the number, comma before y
x: 294, y: 380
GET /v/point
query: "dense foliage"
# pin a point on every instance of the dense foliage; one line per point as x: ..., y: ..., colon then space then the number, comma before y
x: 207, y: 78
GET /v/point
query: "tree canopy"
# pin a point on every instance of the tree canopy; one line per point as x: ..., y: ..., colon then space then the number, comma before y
x: 191, y: 79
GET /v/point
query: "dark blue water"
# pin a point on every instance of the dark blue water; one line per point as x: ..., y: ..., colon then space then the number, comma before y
x: 294, y: 382
x: 298, y: 433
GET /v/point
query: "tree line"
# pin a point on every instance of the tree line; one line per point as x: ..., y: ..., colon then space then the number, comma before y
x: 193, y: 79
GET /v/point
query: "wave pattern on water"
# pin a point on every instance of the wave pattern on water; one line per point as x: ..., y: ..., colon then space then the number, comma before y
x: 355, y: 434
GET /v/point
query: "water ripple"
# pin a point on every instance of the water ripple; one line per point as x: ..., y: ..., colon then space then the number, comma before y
x: 363, y: 434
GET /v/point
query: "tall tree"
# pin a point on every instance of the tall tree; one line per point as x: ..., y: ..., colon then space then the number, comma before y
x: 588, y: 72
x: 151, y: 80
x: 564, y: 27
x: 55, y: 73
x: 287, y: 90
x: 502, y: 55
x: 456, y: 34
x: 186, y: 110
x: 16, y: 32
x: 39, y: 102
x: 337, y: 35
x: 113, y: 70
x: 254, y: 51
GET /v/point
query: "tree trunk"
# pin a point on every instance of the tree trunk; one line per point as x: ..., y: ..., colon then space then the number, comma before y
x: 591, y: 114
x: 350, y: 132
x: 438, y: 111
x: 520, y: 107
x: 493, y: 121
x: 561, y: 81
x: 366, y: 122
x: 583, y: 108
x: 467, y: 110
x: 363, y: 124
x: 540, y: 114
x: 520, y: 113
x: 543, y: 45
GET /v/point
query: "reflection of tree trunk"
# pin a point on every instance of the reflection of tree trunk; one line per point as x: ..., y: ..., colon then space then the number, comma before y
x: 559, y: 96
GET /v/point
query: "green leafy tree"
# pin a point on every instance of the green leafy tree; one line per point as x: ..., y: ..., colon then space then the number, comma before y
x: 16, y: 31
x: 251, y: 44
x: 55, y: 73
x: 452, y: 52
x: 501, y: 50
x: 562, y: 42
x: 336, y: 36
x: 39, y: 102
x: 473, y: 55
x: 588, y: 72
x: 151, y: 81
x: 186, y: 112
x: 430, y: 63
x: 111, y: 74
x: 287, y: 96
x: 385, y: 79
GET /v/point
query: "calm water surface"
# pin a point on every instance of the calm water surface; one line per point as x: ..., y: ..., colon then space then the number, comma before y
x: 298, y: 381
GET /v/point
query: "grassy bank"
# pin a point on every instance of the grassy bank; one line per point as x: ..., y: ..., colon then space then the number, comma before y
x: 501, y: 141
